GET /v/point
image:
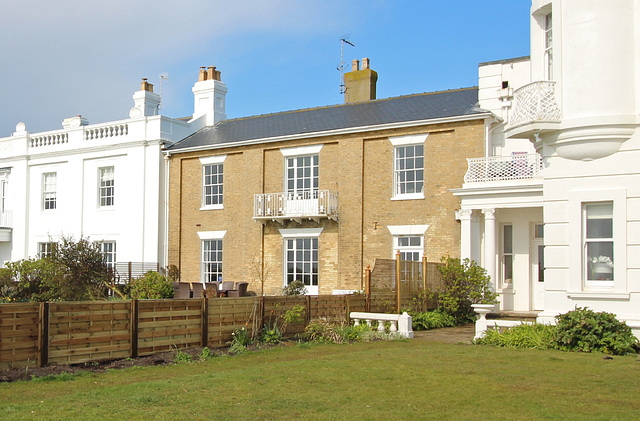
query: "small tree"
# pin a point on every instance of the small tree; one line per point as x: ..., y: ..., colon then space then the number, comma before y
x: 465, y: 283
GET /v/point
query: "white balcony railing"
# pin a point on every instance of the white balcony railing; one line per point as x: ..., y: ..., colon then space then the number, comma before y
x: 499, y: 168
x: 315, y: 204
x: 535, y: 103
x: 6, y: 219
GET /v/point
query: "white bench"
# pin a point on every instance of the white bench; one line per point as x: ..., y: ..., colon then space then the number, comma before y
x: 400, y: 323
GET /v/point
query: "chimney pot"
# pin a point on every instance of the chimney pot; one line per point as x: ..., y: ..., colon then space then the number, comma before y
x: 211, y: 73
x: 355, y: 65
x: 146, y: 86
x: 202, y: 75
x: 365, y: 63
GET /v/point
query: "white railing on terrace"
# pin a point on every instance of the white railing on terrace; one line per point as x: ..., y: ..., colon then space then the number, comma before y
x: 6, y: 219
x: 106, y: 131
x: 315, y: 204
x: 535, y: 102
x: 499, y: 168
x: 48, y: 139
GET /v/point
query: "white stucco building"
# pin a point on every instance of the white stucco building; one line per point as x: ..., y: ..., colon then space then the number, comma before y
x: 103, y: 181
x: 553, y: 208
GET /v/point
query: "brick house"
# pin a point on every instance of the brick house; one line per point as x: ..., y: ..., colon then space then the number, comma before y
x: 317, y: 194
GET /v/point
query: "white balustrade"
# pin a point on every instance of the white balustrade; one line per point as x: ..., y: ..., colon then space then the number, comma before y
x: 48, y: 139
x: 6, y: 219
x: 400, y: 324
x: 106, y: 131
x: 499, y: 168
x: 313, y: 204
x: 535, y: 102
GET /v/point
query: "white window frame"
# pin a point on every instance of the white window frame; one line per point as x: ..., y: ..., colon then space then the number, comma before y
x: 292, y: 238
x: 507, y: 256
x: 208, y: 237
x: 4, y: 184
x: 547, y: 21
x: 106, y: 186
x: 49, y: 191
x: 602, y: 261
x: 403, y: 142
x: 577, y: 286
x: 108, y: 250
x: 208, y: 162
x: 403, y: 231
x: 46, y: 248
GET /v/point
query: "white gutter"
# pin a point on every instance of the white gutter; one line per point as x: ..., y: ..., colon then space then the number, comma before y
x: 336, y: 132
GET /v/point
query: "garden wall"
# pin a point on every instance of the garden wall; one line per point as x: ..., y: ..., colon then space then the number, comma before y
x: 76, y: 332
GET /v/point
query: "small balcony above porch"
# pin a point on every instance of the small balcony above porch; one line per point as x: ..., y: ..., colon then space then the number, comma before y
x: 310, y: 205
x: 504, y: 168
x: 6, y: 225
x: 535, y: 109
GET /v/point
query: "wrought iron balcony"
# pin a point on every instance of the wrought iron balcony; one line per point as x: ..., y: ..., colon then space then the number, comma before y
x: 315, y: 205
x: 501, y: 168
x: 534, y: 103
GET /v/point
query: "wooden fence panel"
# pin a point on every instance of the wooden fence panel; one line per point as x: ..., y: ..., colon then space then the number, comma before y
x: 229, y: 314
x: 89, y: 331
x: 357, y: 302
x: 275, y: 307
x: 19, y: 335
x: 169, y: 324
x: 331, y: 308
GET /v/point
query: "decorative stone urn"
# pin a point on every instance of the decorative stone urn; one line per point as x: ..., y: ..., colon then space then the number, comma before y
x: 481, y: 323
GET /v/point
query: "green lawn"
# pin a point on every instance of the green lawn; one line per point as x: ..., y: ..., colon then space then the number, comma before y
x: 382, y: 380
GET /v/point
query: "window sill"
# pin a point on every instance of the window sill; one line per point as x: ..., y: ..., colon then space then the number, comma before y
x: 212, y: 207
x: 416, y: 196
x: 600, y: 295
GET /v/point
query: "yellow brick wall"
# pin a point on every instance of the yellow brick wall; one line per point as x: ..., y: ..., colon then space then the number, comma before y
x: 359, y: 167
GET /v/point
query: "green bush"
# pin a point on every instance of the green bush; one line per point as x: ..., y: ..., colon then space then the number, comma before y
x: 465, y: 283
x: 432, y: 320
x: 152, y: 285
x: 323, y: 331
x: 587, y: 331
x: 294, y: 288
x: 271, y: 334
x: 530, y: 336
x: 241, y: 338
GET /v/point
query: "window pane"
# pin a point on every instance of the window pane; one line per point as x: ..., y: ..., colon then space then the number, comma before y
x: 508, y: 238
x: 600, y: 261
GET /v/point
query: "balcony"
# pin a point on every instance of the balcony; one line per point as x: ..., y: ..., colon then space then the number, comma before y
x: 534, y: 108
x: 504, y: 168
x: 6, y: 223
x: 313, y: 205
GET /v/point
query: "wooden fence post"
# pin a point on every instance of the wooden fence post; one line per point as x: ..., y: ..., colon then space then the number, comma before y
x: 43, y: 333
x: 308, y: 318
x: 205, y: 321
x: 424, y: 283
x: 347, y: 309
x: 398, y: 281
x: 134, y: 328
x: 367, y: 287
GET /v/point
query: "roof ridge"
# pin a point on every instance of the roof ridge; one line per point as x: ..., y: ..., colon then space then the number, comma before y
x: 344, y: 105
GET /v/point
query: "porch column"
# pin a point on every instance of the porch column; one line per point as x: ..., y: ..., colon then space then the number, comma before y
x: 464, y: 215
x: 490, y: 244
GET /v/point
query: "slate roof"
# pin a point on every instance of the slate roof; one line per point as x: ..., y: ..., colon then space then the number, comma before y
x: 418, y: 107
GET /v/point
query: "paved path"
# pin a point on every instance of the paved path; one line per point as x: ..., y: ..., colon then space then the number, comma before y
x: 450, y: 335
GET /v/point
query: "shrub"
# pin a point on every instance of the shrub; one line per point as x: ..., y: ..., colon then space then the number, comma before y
x: 240, y: 340
x: 324, y: 331
x: 465, y: 283
x: 152, y: 285
x: 432, y: 320
x: 587, y: 331
x: 271, y: 334
x: 530, y: 336
x: 294, y: 288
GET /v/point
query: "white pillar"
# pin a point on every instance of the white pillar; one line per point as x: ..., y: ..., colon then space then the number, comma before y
x: 464, y: 215
x: 490, y: 244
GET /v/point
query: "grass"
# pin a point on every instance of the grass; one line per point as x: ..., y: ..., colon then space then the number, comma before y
x: 379, y: 381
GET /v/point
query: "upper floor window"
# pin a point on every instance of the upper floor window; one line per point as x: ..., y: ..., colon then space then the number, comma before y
x: 49, y: 191
x: 598, y: 241
x: 548, y: 46
x: 106, y: 191
x: 108, y: 249
x: 408, y: 166
x: 302, y: 175
x: 3, y: 194
x: 212, y: 181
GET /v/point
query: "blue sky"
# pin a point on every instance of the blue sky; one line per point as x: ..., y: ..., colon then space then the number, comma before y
x: 87, y: 57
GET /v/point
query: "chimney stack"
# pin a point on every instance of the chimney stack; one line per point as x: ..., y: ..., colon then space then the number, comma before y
x: 145, y: 102
x: 209, y: 94
x: 360, y: 84
x: 146, y: 86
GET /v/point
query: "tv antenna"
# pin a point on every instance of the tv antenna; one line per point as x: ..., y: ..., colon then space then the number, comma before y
x: 163, y: 77
x: 343, y: 41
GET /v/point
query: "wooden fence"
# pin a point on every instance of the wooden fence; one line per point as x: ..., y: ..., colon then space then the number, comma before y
x: 77, y: 332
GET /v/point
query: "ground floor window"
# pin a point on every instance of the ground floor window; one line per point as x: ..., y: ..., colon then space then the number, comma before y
x: 598, y: 241
x: 212, y: 260
x: 302, y: 261
x: 507, y: 254
x: 108, y: 249
x: 45, y: 249
x: 409, y: 246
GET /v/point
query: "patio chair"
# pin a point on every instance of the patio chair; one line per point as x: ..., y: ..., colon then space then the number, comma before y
x: 211, y: 289
x: 197, y: 290
x: 239, y: 291
x: 181, y: 290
